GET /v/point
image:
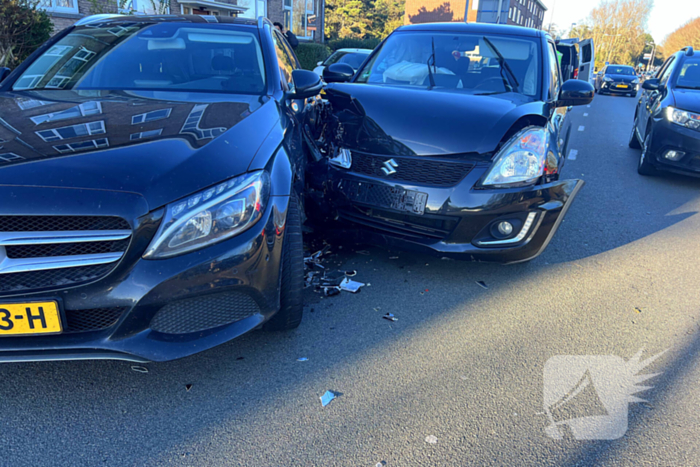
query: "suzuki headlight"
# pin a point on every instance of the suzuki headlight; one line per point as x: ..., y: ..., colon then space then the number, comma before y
x: 609, y: 80
x: 683, y: 118
x: 211, y: 216
x: 521, y: 160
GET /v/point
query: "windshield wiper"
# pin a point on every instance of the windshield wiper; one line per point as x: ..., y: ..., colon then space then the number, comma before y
x: 430, y: 72
x: 513, y: 81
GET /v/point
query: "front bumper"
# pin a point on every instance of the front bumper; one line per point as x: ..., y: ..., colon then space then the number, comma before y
x: 456, y: 221
x: 612, y: 88
x: 187, y: 290
x: 667, y: 136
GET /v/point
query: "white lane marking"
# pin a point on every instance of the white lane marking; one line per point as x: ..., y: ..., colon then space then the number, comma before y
x: 581, y: 128
x: 585, y: 115
x: 572, y: 154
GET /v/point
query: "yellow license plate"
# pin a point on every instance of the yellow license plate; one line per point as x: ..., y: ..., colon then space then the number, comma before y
x: 622, y: 86
x: 20, y: 319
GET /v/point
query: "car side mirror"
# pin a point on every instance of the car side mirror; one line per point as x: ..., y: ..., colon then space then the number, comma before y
x: 575, y: 92
x: 651, y: 84
x: 338, y: 73
x: 4, y: 73
x: 306, y: 84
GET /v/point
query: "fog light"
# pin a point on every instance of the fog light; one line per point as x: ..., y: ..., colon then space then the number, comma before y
x: 505, y: 228
x: 674, y: 155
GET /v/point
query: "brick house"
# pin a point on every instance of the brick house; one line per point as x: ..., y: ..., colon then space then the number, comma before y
x: 304, y: 17
x: 527, y: 13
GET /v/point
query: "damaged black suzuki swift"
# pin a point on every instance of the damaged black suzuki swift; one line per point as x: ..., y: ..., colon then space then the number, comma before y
x: 150, y: 172
x: 450, y: 139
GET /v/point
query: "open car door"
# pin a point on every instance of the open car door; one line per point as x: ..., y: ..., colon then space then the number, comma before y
x: 587, y: 57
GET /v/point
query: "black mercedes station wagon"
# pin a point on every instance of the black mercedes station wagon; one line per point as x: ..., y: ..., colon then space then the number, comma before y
x: 450, y: 140
x: 667, y: 120
x: 150, y: 173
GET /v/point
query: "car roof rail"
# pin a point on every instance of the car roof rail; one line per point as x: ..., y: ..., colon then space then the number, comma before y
x: 95, y: 18
x: 688, y: 51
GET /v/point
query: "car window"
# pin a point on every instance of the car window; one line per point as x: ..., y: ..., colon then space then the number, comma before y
x: 620, y: 70
x: 554, y: 73
x: 689, y: 76
x: 664, y: 67
x: 462, y: 62
x: 663, y: 77
x: 285, y: 61
x: 147, y: 56
x: 355, y: 60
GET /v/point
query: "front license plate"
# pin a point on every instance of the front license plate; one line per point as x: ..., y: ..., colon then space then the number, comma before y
x: 21, y: 319
x: 383, y: 196
x: 623, y: 86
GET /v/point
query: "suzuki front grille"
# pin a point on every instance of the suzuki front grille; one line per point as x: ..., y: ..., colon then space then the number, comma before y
x: 41, y: 252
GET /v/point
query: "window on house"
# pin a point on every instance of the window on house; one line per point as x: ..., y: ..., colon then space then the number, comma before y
x: 82, y: 146
x: 82, y: 110
x: 146, y: 134
x: 300, y: 18
x: 151, y: 116
x: 73, y: 131
x: 59, y: 6
x: 9, y: 156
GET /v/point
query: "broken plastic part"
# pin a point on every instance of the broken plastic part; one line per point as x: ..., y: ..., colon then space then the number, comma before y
x: 390, y: 317
x: 431, y: 439
x: 482, y: 284
x: 139, y: 369
x: 327, y: 398
x: 302, y: 359
x: 350, y: 285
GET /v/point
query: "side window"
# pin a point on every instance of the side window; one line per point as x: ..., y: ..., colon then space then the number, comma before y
x: 286, y: 62
x: 663, y: 76
x: 664, y: 67
x: 555, y: 75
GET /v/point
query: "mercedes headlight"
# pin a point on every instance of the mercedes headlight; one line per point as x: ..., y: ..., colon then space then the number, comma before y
x: 683, y: 118
x: 521, y: 161
x: 211, y: 215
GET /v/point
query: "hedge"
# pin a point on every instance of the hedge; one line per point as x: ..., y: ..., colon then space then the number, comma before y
x: 353, y: 44
x: 309, y: 54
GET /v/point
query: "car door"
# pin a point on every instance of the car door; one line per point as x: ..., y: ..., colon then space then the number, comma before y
x: 587, y: 59
x: 651, y: 98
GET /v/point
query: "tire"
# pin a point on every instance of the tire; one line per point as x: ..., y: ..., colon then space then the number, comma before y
x: 292, y: 282
x: 644, y: 167
x: 634, y: 140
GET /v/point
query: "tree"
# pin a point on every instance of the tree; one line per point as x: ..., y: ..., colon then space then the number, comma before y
x: 618, y: 29
x: 23, y: 28
x: 686, y: 35
x: 362, y: 19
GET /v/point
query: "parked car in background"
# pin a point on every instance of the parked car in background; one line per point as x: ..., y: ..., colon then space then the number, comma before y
x: 451, y: 140
x: 352, y: 57
x: 155, y: 167
x: 617, y: 79
x: 667, y: 119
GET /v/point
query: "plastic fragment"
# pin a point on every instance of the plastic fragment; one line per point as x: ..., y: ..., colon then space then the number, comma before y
x: 327, y: 398
x: 637, y: 309
x: 482, y: 284
x: 188, y: 387
x: 390, y: 317
x: 431, y: 439
x: 362, y: 252
x: 139, y: 369
x: 350, y: 285
x: 302, y: 359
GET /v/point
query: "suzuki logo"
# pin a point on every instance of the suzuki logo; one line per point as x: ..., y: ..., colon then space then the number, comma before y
x: 389, y: 167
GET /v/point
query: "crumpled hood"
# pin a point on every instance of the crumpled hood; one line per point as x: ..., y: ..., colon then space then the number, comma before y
x: 687, y: 99
x: 401, y: 121
x: 163, y: 146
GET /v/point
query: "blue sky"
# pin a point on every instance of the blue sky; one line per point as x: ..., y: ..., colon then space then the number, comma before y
x: 665, y: 18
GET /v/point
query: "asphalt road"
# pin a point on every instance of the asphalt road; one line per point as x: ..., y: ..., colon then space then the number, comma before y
x: 462, y: 363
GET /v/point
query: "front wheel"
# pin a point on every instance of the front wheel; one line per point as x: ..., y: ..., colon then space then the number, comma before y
x: 292, y: 282
x: 644, y: 167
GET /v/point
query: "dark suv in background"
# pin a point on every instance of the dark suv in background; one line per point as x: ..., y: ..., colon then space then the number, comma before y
x: 667, y: 119
x: 151, y: 170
